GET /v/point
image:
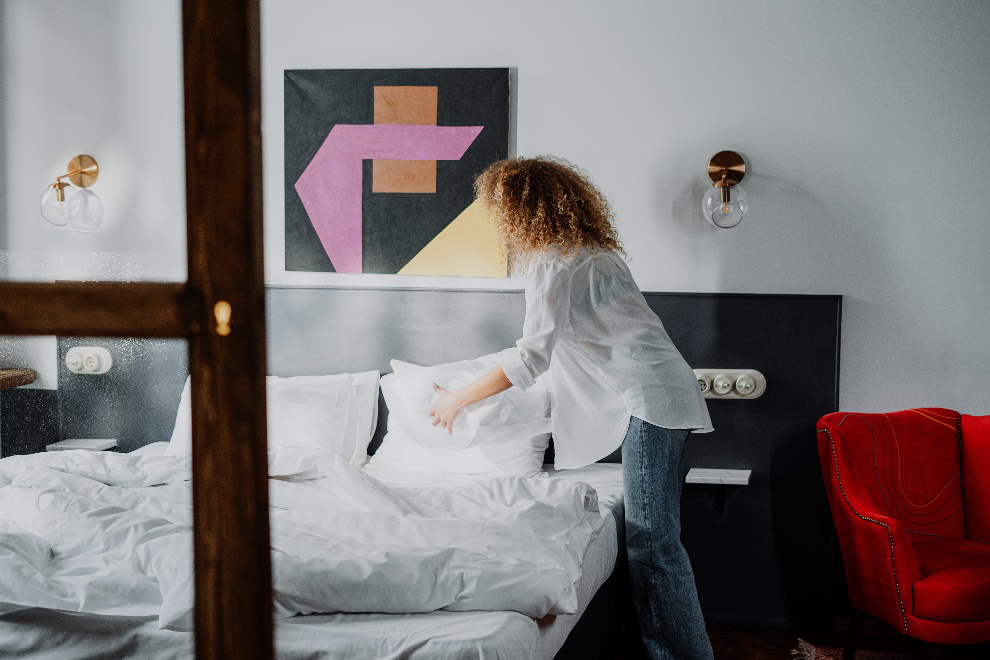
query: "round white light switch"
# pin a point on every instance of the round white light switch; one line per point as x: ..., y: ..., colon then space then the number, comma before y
x: 722, y: 384
x: 745, y: 385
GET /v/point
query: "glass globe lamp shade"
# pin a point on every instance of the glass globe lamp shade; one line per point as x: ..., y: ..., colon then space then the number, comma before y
x: 724, y: 213
x: 85, y: 211
x: 53, y: 209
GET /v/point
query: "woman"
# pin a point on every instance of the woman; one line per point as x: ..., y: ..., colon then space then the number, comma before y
x: 615, y: 377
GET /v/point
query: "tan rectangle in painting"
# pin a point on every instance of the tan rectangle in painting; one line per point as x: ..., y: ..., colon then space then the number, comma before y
x: 404, y: 176
x: 399, y: 104
x: 405, y: 105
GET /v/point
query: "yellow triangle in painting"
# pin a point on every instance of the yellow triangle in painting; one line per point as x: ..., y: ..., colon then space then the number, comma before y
x: 468, y: 247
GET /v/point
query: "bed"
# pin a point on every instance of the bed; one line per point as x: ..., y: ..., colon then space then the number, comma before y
x: 775, y: 522
x: 40, y: 632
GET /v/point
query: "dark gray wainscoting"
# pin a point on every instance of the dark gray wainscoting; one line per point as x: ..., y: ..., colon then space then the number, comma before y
x: 135, y: 402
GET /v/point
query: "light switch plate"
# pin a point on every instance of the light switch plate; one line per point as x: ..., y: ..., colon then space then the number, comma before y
x: 88, y: 360
x: 756, y: 382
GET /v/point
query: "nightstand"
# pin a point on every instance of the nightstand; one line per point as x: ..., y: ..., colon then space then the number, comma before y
x: 90, y: 444
x: 28, y: 417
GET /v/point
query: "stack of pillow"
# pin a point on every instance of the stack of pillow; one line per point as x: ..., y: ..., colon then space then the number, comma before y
x: 504, y: 435
x: 338, y: 413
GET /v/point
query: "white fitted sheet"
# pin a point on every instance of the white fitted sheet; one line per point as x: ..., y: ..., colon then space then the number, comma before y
x: 436, y: 635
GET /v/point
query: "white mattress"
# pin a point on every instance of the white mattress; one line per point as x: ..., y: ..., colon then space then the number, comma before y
x: 435, y: 635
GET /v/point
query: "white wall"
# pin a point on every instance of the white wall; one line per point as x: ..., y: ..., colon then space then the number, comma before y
x: 865, y: 123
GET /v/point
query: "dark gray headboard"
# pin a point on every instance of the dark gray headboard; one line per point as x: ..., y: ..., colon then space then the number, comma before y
x: 324, y: 331
x: 775, y: 537
x: 320, y: 330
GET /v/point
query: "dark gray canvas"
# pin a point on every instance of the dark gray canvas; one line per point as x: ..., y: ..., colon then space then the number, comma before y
x: 396, y: 226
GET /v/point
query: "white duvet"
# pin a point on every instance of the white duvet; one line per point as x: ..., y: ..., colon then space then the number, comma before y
x: 106, y: 533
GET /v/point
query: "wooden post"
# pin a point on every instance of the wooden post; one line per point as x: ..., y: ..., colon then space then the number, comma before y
x: 221, y: 43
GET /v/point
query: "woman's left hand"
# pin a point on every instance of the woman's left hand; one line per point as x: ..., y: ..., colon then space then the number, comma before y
x: 446, y: 409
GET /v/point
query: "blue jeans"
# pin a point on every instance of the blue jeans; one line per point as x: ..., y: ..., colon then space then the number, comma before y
x: 663, y: 588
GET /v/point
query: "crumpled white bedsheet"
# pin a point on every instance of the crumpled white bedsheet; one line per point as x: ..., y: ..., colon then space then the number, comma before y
x: 106, y: 533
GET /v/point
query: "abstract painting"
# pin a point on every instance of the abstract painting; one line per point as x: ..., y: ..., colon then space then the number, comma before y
x: 379, y: 169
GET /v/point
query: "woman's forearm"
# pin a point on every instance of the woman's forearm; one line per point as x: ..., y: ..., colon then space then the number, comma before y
x: 490, y: 384
x: 449, y: 404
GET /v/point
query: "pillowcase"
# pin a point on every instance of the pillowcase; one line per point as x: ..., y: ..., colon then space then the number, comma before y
x: 506, y: 434
x: 338, y: 413
x: 366, y: 387
x: 503, y: 417
x: 521, y: 457
x: 181, y: 440
x: 314, y: 411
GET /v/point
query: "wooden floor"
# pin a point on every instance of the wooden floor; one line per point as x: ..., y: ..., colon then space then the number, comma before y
x: 739, y: 643
x: 734, y: 643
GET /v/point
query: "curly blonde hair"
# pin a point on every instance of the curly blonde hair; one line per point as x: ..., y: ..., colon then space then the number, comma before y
x: 546, y: 203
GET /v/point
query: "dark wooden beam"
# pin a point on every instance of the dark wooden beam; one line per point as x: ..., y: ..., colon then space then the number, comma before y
x: 222, y: 63
x: 98, y: 309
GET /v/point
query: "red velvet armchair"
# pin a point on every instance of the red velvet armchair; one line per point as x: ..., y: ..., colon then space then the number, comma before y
x: 910, y: 496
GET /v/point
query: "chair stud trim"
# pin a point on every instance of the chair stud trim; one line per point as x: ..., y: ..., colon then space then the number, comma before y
x: 962, y: 466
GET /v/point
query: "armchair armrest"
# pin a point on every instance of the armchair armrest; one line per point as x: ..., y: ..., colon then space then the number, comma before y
x: 976, y: 476
x: 881, y: 566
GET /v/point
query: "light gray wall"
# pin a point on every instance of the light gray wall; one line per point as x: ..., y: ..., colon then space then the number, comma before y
x: 866, y: 125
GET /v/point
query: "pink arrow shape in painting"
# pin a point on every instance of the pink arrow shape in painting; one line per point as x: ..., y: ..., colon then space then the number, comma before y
x: 330, y: 186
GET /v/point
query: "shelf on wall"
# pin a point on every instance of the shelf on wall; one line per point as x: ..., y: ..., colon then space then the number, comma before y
x: 721, y: 477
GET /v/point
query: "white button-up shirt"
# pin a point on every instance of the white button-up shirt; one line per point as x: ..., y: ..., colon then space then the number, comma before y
x: 608, y: 355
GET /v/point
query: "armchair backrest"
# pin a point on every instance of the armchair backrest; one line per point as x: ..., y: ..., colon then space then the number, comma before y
x: 905, y: 465
x: 976, y: 476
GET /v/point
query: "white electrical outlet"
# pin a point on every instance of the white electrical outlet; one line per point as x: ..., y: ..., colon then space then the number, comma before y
x: 90, y: 360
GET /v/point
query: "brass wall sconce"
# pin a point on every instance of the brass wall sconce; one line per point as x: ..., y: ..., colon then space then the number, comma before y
x: 74, y: 205
x: 725, y: 203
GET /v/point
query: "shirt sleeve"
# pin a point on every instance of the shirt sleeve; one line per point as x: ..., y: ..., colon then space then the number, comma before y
x: 548, y: 299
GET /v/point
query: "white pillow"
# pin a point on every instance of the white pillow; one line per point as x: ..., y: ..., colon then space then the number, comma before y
x: 521, y: 457
x: 181, y: 440
x: 338, y: 413
x: 505, y: 416
x: 314, y: 411
x: 366, y: 386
